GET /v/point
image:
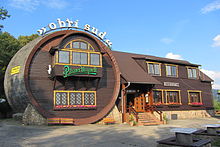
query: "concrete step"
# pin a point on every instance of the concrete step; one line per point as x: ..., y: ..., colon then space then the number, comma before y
x: 148, y: 118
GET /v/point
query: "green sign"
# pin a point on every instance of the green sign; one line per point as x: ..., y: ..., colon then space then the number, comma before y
x: 218, y: 91
x: 67, y: 71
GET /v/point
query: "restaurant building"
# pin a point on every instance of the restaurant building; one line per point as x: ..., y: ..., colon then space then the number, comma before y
x: 73, y: 77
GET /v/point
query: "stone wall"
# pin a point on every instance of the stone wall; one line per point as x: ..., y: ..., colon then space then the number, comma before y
x: 188, y: 114
x: 32, y: 117
x: 114, y: 114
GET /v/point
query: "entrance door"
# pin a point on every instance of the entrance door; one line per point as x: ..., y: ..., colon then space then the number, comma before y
x: 139, y: 103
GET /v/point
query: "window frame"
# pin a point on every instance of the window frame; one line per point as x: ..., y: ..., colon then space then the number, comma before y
x: 179, y: 94
x: 189, y: 97
x: 148, y: 68
x: 71, y: 57
x: 80, y: 58
x: 177, y: 73
x: 78, y: 40
x: 68, y: 106
x: 165, y: 96
x: 58, y: 55
x: 162, y: 96
x: 191, y: 68
x: 100, y: 58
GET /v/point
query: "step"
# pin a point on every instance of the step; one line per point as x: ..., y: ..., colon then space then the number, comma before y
x: 149, y: 124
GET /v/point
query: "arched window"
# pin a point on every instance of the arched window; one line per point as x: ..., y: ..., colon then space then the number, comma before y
x: 79, y: 44
x: 78, y: 53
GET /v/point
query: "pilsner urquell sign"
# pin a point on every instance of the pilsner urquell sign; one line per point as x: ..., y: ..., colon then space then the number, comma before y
x: 67, y: 71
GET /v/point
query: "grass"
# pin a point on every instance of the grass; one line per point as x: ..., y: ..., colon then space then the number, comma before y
x: 216, y: 143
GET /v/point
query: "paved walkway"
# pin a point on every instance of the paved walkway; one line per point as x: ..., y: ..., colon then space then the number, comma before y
x: 14, y: 134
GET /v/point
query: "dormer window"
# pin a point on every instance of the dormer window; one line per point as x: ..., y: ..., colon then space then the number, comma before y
x: 78, y: 53
x: 171, y: 70
x: 192, y: 72
x: 154, y: 68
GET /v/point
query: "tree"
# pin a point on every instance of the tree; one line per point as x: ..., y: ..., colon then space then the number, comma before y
x: 8, y: 47
x: 3, y: 15
x: 23, y: 40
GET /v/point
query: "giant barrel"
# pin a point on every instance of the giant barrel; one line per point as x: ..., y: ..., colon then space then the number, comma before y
x: 66, y: 74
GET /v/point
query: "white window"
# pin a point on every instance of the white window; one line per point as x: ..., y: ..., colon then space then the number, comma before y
x: 94, y: 59
x: 154, y: 68
x: 192, y: 73
x: 171, y: 70
x: 64, y: 56
x: 80, y: 58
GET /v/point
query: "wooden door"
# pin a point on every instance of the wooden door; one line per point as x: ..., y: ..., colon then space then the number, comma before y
x: 139, y: 103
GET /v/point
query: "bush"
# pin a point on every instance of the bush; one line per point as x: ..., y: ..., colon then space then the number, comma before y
x: 216, y: 105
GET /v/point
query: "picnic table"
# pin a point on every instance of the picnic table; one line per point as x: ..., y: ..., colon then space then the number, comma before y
x: 184, y: 135
x: 212, y: 128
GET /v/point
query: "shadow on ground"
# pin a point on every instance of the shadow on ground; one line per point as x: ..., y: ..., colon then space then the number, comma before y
x: 15, y: 134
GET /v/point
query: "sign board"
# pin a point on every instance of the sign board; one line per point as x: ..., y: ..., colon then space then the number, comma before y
x: 171, y: 84
x: 15, y: 70
x: 218, y: 92
x: 67, y: 71
x: 69, y: 24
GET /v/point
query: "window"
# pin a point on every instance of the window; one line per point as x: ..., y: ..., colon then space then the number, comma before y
x: 154, y: 68
x: 80, y: 58
x: 173, y: 97
x: 94, y: 59
x: 83, y: 46
x: 79, y: 45
x: 64, y: 57
x: 171, y: 70
x: 77, y: 53
x: 74, y: 99
x: 192, y: 73
x: 157, y: 97
x: 195, y: 97
x: 61, y: 98
x: 76, y: 45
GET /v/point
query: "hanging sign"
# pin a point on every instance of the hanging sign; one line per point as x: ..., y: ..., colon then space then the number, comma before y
x: 67, y: 71
x: 60, y: 24
x: 15, y: 70
x: 172, y: 84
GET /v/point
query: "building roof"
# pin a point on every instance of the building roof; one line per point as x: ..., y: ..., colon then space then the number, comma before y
x: 134, y: 73
x: 161, y: 59
x: 131, y: 71
x: 205, y: 78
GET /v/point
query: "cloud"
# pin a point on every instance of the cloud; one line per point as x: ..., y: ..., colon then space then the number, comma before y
x: 27, y: 5
x: 173, y: 56
x: 167, y: 40
x: 216, y: 41
x: 31, y: 5
x: 211, y: 7
x: 56, y: 4
x: 215, y: 75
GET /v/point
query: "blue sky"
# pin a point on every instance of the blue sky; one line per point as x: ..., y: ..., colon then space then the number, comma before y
x: 188, y: 30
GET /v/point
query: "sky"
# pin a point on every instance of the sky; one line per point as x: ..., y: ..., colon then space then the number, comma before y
x: 178, y: 29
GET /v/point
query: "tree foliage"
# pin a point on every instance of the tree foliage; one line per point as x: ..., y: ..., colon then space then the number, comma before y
x: 3, y: 15
x: 23, y: 40
x: 216, y: 105
x: 9, y: 45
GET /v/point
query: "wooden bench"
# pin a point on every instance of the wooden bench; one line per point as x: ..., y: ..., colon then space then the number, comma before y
x: 56, y: 121
x: 108, y: 120
x: 217, y: 112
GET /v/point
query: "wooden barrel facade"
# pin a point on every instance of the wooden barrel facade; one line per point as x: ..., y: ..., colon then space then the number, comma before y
x: 66, y: 74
